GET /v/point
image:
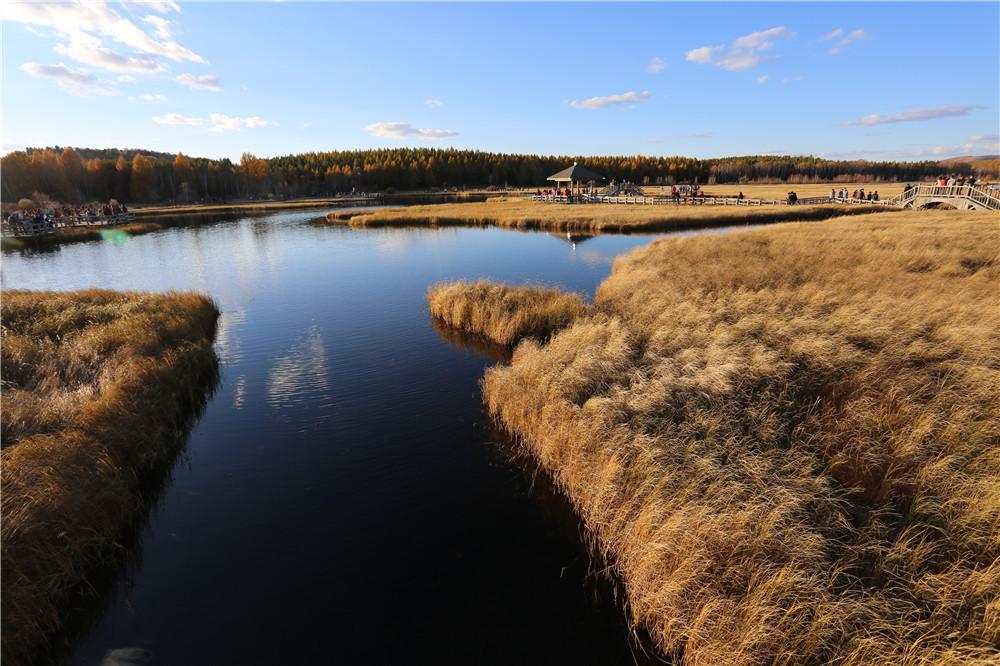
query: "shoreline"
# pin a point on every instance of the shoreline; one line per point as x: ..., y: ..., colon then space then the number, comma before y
x: 525, y: 214
x: 100, y: 390
x: 739, y: 433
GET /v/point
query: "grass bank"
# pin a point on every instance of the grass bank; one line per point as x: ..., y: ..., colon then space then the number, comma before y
x: 98, y: 391
x: 787, y: 440
x: 503, y: 314
x: 594, y: 218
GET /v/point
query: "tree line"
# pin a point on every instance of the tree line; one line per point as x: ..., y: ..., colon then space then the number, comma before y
x: 76, y: 175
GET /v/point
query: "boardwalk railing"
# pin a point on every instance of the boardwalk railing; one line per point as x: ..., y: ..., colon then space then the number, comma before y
x: 44, y: 227
x: 644, y: 200
x: 967, y: 196
x: 979, y: 196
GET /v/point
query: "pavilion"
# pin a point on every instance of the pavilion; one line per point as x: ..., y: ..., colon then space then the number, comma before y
x: 575, y: 176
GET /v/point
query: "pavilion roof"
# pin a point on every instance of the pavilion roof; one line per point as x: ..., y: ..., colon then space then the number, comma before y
x: 575, y: 173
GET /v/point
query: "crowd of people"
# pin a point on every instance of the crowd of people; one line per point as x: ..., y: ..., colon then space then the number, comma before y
x: 856, y: 195
x: 952, y: 181
x: 58, y: 216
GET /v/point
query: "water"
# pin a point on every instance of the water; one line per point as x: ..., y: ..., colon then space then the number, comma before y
x: 343, y: 498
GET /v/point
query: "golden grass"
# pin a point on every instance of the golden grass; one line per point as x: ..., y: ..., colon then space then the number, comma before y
x: 503, y: 314
x: 595, y: 218
x: 98, y: 389
x: 787, y: 440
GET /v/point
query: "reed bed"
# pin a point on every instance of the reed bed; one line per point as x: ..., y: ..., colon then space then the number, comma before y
x: 503, y: 313
x: 787, y: 440
x: 594, y: 218
x: 99, y: 388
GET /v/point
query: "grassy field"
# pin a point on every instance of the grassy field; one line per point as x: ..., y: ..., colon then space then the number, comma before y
x: 98, y: 391
x: 787, y: 440
x: 781, y: 190
x: 503, y: 314
x: 595, y: 218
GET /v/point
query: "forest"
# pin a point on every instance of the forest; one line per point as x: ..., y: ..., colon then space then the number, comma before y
x: 78, y: 175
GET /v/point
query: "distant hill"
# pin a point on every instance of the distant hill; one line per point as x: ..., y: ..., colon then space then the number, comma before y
x: 966, y: 159
x: 106, y: 153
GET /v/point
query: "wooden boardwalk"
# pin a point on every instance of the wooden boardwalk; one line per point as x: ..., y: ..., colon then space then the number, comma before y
x: 962, y: 197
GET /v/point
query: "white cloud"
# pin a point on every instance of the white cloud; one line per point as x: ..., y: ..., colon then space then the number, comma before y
x: 397, y: 130
x: 850, y: 38
x: 916, y: 114
x: 937, y: 151
x: 148, y: 97
x: 177, y: 119
x: 126, y: 78
x: 744, y: 53
x: 703, y: 55
x: 162, y: 6
x: 759, y: 41
x: 160, y: 25
x: 985, y: 138
x: 629, y: 98
x: 791, y: 79
x: 204, y: 82
x: 75, y: 81
x: 88, y: 50
x: 223, y: 123
x: 853, y: 36
x: 83, y: 22
x: 761, y: 80
x: 433, y: 103
x: 656, y: 65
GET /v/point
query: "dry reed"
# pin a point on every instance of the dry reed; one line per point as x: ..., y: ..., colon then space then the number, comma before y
x: 98, y: 390
x: 502, y: 313
x: 595, y: 218
x: 787, y: 440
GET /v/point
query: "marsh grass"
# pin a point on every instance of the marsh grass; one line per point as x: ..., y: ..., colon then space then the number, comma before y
x: 595, y: 218
x: 502, y: 313
x: 787, y: 440
x: 98, y: 391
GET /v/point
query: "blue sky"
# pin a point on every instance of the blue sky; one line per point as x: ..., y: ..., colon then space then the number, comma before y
x: 842, y: 80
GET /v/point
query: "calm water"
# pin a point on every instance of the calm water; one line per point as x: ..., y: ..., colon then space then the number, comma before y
x: 343, y: 498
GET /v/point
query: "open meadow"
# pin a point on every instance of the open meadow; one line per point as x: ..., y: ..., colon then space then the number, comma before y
x: 787, y: 440
x: 523, y: 213
x: 98, y: 390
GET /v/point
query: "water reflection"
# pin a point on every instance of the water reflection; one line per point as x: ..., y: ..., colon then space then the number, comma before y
x: 343, y: 498
x: 300, y: 374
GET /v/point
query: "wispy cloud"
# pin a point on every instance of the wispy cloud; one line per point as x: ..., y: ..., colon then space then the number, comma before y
x: 86, y: 24
x: 177, y: 119
x: 916, y: 114
x: 791, y: 79
x: 985, y: 138
x: 204, y: 82
x: 89, y: 51
x: 74, y: 81
x: 218, y: 122
x: 223, y: 123
x: 433, y: 103
x: 843, y: 41
x: 744, y: 53
x: 397, y: 130
x: 761, y: 80
x: 148, y: 97
x: 629, y: 98
x: 161, y: 26
x: 656, y: 65
x: 126, y: 78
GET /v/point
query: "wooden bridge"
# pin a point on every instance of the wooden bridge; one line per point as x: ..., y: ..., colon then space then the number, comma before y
x: 962, y: 197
